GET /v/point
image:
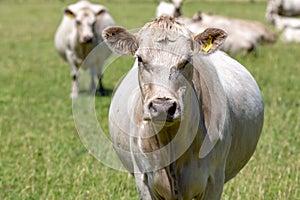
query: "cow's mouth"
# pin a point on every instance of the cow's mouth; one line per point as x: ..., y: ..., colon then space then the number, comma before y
x: 86, y: 42
x: 166, y: 120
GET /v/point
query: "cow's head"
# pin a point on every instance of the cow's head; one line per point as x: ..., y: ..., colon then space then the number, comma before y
x: 85, y: 20
x: 164, y: 49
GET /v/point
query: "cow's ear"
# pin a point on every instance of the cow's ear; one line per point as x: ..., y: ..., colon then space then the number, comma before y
x: 100, y: 12
x: 210, y: 40
x: 120, y: 40
x: 98, y: 9
x: 69, y: 13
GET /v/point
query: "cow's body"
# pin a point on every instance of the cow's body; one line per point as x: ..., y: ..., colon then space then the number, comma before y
x: 249, y: 33
x: 282, y: 22
x: 78, y: 34
x: 291, y: 35
x: 212, y: 125
x: 282, y: 8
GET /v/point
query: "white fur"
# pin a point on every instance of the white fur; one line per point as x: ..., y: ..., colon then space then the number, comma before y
x: 165, y: 8
x: 291, y: 35
x: 282, y: 22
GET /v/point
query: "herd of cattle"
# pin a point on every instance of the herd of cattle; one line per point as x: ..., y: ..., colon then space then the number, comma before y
x: 243, y: 36
x: 83, y: 22
x: 197, y: 113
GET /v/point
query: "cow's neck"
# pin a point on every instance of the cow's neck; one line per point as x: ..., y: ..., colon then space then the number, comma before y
x: 165, y: 180
x: 83, y: 50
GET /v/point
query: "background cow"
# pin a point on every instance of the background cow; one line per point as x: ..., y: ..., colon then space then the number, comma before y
x: 282, y: 22
x: 244, y: 36
x: 283, y: 8
x: 283, y: 14
x: 172, y: 8
x: 291, y: 35
x: 78, y: 33
x: 197, y: 113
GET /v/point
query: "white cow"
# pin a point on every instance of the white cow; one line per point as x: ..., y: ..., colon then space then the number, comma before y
x: 186, y: 118
x: 173, y: 8
x: 282, y: 22
x: 283, y: 8
x: 291, y: 35
x: 165, y: 8
x: 77, y: 35
x: 243, y: 35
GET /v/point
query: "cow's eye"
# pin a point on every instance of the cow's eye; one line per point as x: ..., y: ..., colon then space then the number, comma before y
x: 139, y: 58
x: 182, y: 65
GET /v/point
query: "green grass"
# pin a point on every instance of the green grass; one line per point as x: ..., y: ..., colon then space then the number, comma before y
x: 41, y: 156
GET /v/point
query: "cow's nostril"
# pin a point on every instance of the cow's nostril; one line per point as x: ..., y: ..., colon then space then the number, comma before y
x: 152, y: 108
x: 162, y: 109
x: 172, y: 110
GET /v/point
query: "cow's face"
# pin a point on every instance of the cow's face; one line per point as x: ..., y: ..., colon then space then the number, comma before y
x: 165, y: 73
x: 85, y: 20
x: 164, y: 49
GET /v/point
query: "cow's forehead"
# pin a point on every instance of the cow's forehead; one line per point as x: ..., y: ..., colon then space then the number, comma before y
x: 163, y: 45
x: 164, y: 39
x: 85, y: 14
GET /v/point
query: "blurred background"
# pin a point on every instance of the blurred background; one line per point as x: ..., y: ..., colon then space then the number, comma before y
x: 41, y: 155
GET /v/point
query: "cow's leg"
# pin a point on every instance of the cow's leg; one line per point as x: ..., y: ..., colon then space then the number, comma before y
x: 74, y: 74
x: 214, y: 186
x: 100, y: 89
x: 141, y: 187
x: 140, y: 182
x: 75, y: 85
x: 93, y: 84
x: 99, y: 68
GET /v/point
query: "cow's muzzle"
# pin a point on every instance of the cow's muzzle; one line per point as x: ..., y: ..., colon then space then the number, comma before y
x: 87, y: 39
x: 162, y: 110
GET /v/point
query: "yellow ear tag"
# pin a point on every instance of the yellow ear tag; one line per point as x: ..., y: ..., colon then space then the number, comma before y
x: 70, y: 15
x: 208, y: 45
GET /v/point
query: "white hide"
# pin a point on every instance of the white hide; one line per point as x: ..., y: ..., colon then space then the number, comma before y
x: 282, y: 22
x: 282, y: 8
x: 291, y: 35
x: 165, y: 8
x: 243, y: 36
x: 220, y: 125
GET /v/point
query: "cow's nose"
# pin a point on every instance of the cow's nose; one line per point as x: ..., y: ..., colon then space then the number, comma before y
x: 88, y: 39
x: 162, y: 109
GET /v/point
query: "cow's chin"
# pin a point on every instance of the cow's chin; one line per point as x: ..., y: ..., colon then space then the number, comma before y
x: 163, y: 123
x: 86, y: 43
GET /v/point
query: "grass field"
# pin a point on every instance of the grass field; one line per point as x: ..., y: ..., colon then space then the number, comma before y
x: 41, y: 155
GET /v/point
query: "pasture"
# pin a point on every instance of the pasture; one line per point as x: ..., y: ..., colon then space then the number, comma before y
x: 41, y: 155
